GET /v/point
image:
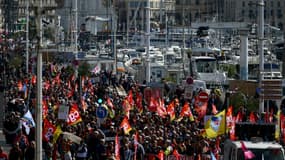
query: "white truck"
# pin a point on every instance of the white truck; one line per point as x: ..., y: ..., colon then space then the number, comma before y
x: 261, y: 150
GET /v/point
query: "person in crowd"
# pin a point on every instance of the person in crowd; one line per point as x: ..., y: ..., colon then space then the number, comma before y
x: 15, y: 152
x: 82, y: 151
x: 3, y: 154
x: 30, y: 151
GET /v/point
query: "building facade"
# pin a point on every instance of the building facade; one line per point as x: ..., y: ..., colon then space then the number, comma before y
x: 247, y: 11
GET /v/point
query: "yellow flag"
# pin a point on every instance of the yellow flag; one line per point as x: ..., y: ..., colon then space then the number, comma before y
x: 56, y: 134
x: 215, y: 125
x: 277, y: 129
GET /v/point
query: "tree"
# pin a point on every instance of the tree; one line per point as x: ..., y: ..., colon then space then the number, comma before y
x: 84, y: 69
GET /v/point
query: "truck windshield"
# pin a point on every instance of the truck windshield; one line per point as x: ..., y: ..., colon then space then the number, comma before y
x: 206, y: 65
x: 263, y: 154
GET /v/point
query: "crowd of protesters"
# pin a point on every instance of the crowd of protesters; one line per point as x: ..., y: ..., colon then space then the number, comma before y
x: 150, y: 136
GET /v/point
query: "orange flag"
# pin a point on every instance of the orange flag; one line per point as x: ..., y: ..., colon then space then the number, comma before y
x: 73, y: 116
x: 171, y: 110
x: 126, y: 126
x: 229, y: 118
x: 186, y: 111
x: 232, y: 129
x: 126, y: 107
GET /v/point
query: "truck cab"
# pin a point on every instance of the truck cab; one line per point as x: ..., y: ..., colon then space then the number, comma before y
x: 261, y: 150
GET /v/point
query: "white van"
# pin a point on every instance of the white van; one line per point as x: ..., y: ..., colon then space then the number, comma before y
x: 261, y: 150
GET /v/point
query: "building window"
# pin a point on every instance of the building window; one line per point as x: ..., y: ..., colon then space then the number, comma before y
x: 197, y: 2
x: 272, y: 4
x: 280, y: 25
x: 243, y: 3
x: 272, y: 13
x: 278, y: 4
x: 279, y: 13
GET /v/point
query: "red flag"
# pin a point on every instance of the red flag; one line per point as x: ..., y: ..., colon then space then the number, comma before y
x: 160, y: 155
x: 20, y: 85
x: 117, y: 148
x: 45, y: 109
x: 47, y: 85
x: 214, y: 109
x: 110, y: 103
x: 152, y: 105
x: 252, y: 117
x: 56, y: 80
x: 161, y: 110
x: 126, y: 125
x: 34, y: 79
x: 130, y: 98
x: 73, y: 116
x: 83, y: 104
x: 139, y: 102
x: 126, y: 107
x: 186, y: 111
x: 48, y: 130
x: 176, y: 154
x: 239, y: 117
x: 232, y: 129
x: 201, y: 108
x: 171, y: 110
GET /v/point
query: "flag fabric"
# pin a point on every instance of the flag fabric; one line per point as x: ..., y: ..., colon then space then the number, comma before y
x: 239, y: 117
x: 84, y: 104
x: 125, y: 125
x: 45, y: 109
x: 56, y: 134
x: 20, y: 85
x: 229, y: 118
x: 277, y: 129
x: 48, y: 130
x: 96, y: 69
x: 73, y: 116
x: 215, y: 126
x: 126, y: 107
x: 34, y: 79
x: 232, y: 129
x: 161, y: 110
x: 176, y: 154
x: 247, y: 153
x: 282, y: 126
x: 28, y: 121
x: 201, y: 108
x: 160, y: 155
x: 252, y: 117
x: 186, y: 112
x: 152, y: 104
x: 171, y: 110
x: 130, y: 98
x: 139, y: 99
x: 117, y: 148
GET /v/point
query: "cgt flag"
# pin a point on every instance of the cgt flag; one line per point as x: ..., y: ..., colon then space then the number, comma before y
x: 215, y: 126
x: 73, y: 116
